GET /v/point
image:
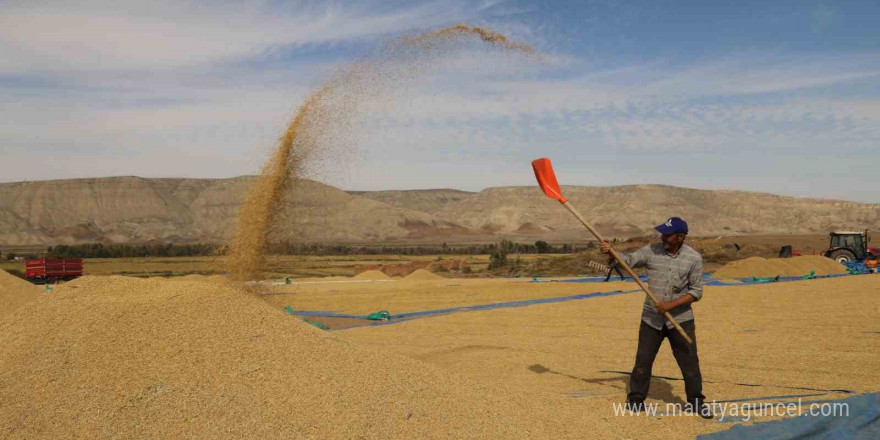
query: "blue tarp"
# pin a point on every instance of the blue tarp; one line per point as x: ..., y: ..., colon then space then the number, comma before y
x: 815, y: 277
x: 856, y: 267
x: 508, y: 304
x: 413, y: 315
x: 523, y: 303
x: 707, y: 280
x: 860, y: 422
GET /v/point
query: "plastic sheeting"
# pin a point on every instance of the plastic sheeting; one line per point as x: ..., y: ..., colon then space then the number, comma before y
x: 707, y: 279
x: 860, y: 421
x: 413, y: 315
x: 523, y: 303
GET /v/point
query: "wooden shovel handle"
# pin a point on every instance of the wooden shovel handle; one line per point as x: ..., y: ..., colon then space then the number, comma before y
x: 629, y: 272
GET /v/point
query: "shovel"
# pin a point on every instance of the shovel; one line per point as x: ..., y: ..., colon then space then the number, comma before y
x: 547, y: 181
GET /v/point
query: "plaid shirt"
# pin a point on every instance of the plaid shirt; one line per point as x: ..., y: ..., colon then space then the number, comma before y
x: 669, y: 277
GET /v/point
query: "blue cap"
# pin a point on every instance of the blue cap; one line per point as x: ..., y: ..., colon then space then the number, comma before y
x: 674, y: 225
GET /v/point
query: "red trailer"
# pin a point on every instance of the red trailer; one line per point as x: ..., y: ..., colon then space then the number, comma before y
x: 49, y: 269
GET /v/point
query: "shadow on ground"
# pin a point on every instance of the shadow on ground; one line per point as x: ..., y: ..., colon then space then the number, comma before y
x: 661, y: 389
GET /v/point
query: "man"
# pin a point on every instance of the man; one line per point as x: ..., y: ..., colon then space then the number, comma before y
x: 675, y: 273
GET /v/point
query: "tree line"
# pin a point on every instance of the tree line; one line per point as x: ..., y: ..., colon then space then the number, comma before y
x: 504, y: 247
x: 100, y: 250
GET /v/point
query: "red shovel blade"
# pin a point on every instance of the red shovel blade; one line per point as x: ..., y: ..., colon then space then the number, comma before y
x: 547, y: 179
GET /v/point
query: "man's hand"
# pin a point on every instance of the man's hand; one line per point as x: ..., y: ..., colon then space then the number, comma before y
x: 605, y: 248
x: 665, y: 306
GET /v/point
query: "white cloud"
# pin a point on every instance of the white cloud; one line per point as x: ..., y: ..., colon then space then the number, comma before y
x: 120, y: 35
x: 765, y: 73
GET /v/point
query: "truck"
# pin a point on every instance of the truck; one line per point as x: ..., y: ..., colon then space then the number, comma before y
x: 44, y: 270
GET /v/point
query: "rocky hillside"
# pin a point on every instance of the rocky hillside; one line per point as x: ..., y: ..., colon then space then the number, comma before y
x: 633, y: 209
x: 427, y: 200
x: 138, y: 210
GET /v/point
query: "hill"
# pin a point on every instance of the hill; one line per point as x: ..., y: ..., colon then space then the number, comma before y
x: 427, y: 200
x: 632, y: 210
x: 140, y: 210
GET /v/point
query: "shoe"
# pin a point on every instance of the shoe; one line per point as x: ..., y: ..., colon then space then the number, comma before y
x: 702, y: 409
x: 635, y: 405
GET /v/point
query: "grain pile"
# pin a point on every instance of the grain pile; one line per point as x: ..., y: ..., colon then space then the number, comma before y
x: 321, y: 279
x: 422, y: 274
x: 771, y: 267
x: 328, y: 116
x: 15, y: 292
x: 372, y: 275
x: 403, y: 269
x: 148, y: 358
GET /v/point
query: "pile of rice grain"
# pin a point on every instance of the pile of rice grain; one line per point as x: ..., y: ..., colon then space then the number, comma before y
x: 422, y: 274
x: 372, y: 275
x: 15, y: 292
x: 118, y: 357
x: 787, y: 267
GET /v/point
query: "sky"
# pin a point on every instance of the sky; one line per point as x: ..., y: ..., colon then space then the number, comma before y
x: 770, y: 96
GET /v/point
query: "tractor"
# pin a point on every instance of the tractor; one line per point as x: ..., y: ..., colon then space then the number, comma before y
x: 851, y: 246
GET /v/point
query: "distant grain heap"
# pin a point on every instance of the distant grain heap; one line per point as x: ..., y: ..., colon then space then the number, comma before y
x: 787, y: 267
x: 422, y: 274
x: 15, y: 292
x: 372, y: 275
x: 325, y: 114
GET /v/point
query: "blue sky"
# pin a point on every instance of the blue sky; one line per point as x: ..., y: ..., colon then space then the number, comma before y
x: 782, y: 97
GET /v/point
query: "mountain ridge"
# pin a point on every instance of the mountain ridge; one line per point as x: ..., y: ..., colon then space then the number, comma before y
x: 132, y: 209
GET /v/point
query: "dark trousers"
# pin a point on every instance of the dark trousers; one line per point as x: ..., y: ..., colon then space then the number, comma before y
x: 685, y: 354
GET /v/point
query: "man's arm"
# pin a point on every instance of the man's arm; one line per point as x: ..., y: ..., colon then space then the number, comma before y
x: 695, y: 290
x: 635, y: 259
x: 695, y: 281
x: 664, y: 307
